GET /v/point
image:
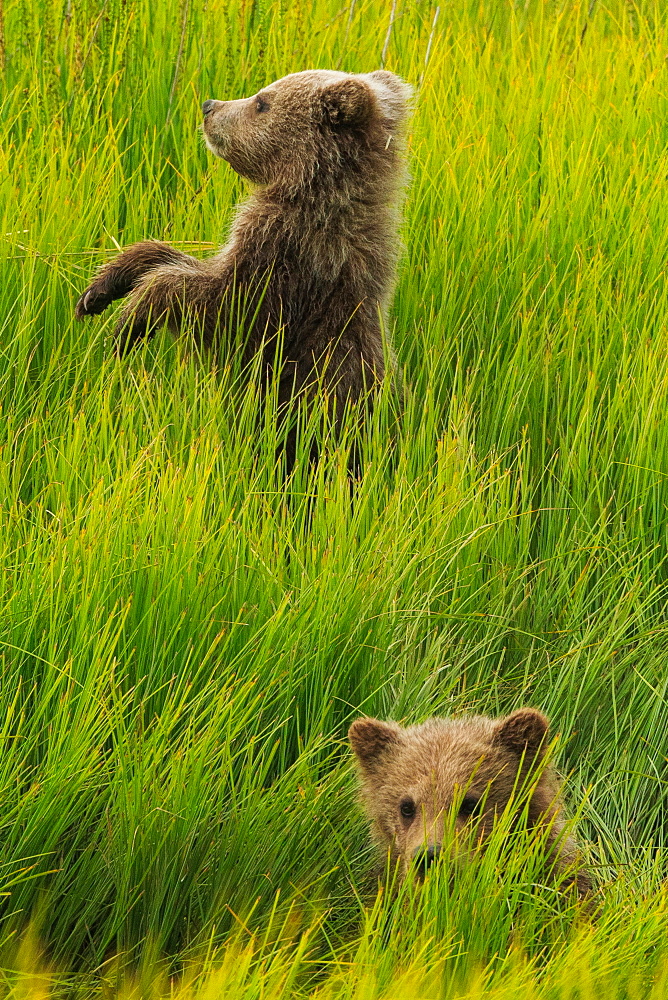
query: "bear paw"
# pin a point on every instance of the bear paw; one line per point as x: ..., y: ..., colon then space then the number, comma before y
x: 93, y: 301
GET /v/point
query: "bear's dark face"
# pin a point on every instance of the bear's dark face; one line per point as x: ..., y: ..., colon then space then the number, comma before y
x: 300, y: 125
x: 438, y: 786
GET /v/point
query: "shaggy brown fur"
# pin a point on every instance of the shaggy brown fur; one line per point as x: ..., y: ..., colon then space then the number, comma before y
x: 412, y: 778
x: 311, y: 254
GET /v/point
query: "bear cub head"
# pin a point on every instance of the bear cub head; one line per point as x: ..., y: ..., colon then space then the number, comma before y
x: 307, y: 125
x: 449, y: 777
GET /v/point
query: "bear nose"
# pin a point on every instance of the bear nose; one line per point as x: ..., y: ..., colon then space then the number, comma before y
x: 424, y: 857
x: 207, y: 106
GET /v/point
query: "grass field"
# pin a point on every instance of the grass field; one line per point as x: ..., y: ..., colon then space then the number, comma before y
x: 185, y: 636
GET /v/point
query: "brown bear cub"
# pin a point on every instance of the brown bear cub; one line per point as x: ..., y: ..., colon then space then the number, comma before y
x: 312, y: 253
x: 413, y: 779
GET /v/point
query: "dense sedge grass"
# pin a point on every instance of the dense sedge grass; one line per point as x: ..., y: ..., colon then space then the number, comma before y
x: 185, y: 635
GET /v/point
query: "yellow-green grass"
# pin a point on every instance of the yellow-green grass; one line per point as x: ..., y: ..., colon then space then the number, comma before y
x: 185, y: 634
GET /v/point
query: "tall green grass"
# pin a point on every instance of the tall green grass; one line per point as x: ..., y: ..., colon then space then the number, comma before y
x: 185, y: 634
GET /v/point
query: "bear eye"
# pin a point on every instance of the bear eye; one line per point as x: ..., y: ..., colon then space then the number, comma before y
x: 407, y: 808
x: 470, y: 806
x: 261, y: 104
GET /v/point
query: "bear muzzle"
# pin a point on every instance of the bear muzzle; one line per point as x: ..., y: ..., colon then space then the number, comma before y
x: 209, y: 106
x: 424, y: 857
x: 216, y: 125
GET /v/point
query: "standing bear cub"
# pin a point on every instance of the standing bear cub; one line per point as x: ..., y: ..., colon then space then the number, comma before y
x: 312, y: 253
x: 467, y: 770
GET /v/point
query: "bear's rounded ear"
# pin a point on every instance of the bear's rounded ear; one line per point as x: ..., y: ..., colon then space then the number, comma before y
x: 393, y: 94
x: 346, y: 102
x: 523, y: 732
x: 371, y: 740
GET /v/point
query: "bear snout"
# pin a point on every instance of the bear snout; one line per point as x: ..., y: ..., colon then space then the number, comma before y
x: 208, y: 106
x: 424, y: 857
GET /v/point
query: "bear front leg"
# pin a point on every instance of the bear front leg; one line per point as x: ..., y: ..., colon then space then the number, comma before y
x: 120, y: 276
x: 164, y: 295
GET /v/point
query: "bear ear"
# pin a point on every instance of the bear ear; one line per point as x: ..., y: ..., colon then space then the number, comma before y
x: 394, y: 95
x: 372, y: 740
x: 347, y: 102
x: 523, y: 732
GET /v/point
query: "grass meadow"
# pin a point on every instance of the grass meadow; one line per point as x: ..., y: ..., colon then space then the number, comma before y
x: 185, y: 634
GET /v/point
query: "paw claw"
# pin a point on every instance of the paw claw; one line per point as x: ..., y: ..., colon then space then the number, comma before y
x: 90, y: 304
